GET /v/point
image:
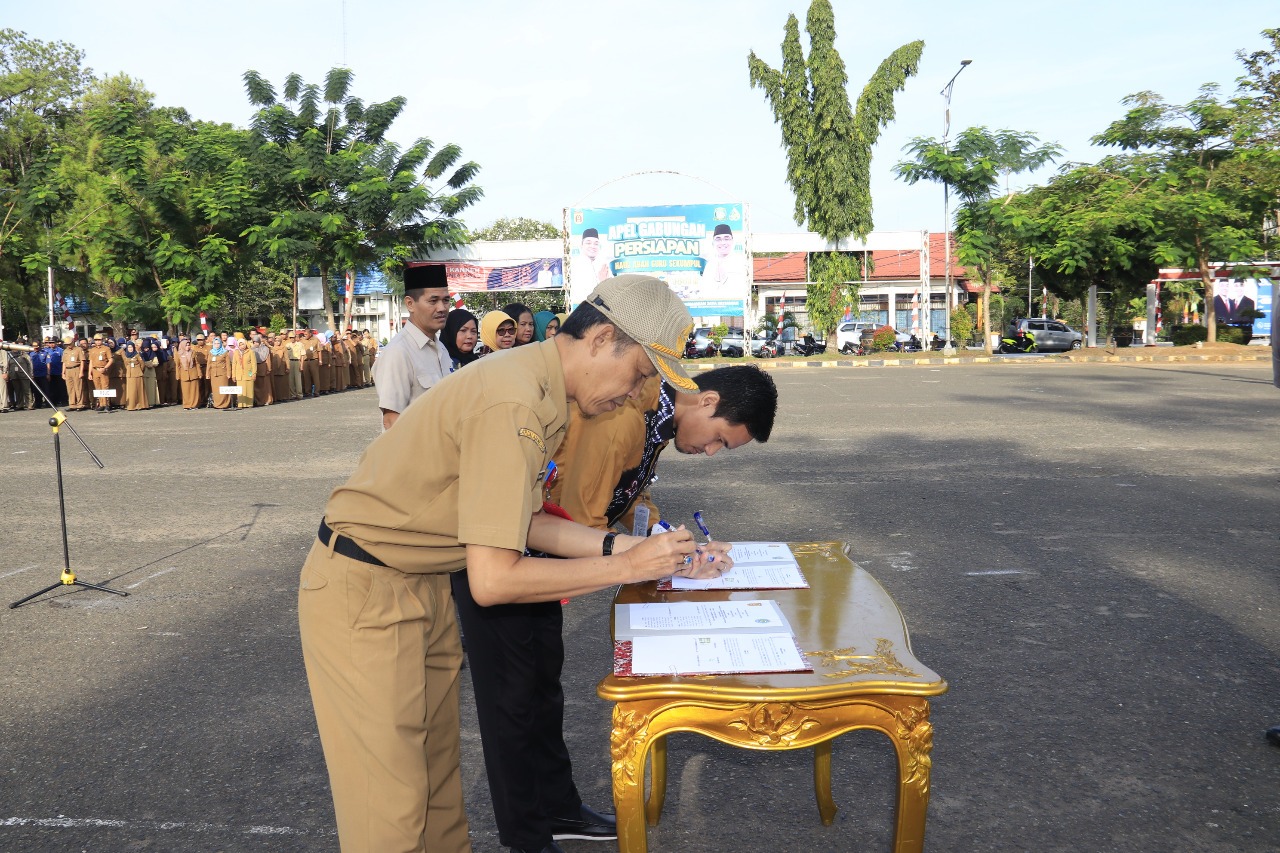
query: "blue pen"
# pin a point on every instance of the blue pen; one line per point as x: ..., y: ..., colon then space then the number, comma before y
x: 702, y: 525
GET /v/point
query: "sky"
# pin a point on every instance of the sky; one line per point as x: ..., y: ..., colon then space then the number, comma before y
x: 563, y: 103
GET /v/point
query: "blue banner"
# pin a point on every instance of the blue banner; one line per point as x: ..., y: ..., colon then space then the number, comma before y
x: 699, y: 250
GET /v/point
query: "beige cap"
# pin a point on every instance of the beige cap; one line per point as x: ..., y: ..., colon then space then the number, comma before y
x: 647, y: 310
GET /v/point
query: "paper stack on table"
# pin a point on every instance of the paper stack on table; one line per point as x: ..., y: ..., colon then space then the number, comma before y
x: 699, y: 638
x: 756, y: 565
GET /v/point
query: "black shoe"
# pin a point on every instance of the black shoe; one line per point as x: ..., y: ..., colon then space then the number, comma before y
x: 1273, y: 735
x: 550, y: 848
x: 589, y: 826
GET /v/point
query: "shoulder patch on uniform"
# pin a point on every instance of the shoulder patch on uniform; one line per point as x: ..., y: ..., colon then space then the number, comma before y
x: 525, y: 432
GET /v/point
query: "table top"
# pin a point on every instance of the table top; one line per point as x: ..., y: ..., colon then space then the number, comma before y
x: 849, y: 628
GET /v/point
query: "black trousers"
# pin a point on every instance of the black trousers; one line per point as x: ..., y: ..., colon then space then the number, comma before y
x: 515, y: 653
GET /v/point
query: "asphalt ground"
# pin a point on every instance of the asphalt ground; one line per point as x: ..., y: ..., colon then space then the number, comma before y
x: 1087, y: 553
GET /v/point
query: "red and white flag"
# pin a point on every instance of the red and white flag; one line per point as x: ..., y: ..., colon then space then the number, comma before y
x: 204, y: 322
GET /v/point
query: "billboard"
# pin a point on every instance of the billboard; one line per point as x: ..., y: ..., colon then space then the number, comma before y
x: 537, y: 274
x: 1238, y: 301
x: 700, y: 250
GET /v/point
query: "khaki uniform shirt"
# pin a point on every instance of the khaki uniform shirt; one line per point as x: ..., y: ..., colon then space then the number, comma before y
x: 408, y: 366
x: 464, y: 465
x: 595, y: 454
x: 99, y: 360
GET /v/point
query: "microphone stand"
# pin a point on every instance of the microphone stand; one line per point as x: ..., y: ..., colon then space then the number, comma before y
x: 59, y: 420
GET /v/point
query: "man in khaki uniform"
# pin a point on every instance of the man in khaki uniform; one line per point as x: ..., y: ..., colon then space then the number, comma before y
x: 370, y: 354
x: 296, y: 352
x: 75, y: 362
x: 383, y: 674
x: 310, y: 365
x: 100, y: 359
x: 280, y: 369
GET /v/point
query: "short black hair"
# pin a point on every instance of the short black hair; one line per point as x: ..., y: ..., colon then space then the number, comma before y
x: 585, y: 318
x: 748, y: 397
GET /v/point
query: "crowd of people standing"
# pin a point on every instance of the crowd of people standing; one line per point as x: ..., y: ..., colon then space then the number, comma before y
x: 108, y: 373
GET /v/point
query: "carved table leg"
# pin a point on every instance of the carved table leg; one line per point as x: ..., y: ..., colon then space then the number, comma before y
x: 657, y: 781
x: 913, y: 741
x: 822, y: 782
x: 628, y: 746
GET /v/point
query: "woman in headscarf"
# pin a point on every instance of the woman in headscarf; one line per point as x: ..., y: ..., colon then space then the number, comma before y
x: 219, y: 372
x: 524, y: 322
x: 497, y: 331
x: 187, y: 368
x: 135, y: 393
x: 545, y: 325
x: 459, y: 335
x: 244, y: 370
x: 116, y: 371
x: 150, y: 367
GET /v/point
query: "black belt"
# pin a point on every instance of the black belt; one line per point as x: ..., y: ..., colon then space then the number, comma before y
x: 344, y: 546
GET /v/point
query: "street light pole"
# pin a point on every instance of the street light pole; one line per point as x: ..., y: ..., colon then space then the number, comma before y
x: 947, y: 349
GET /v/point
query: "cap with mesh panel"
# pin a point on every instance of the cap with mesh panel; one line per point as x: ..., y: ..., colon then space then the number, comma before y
x: 649, y: 312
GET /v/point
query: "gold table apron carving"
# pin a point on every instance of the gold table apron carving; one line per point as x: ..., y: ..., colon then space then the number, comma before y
x: 865, y: 677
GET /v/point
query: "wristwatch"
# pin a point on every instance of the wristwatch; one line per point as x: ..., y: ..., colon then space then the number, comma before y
x: 607, y: 548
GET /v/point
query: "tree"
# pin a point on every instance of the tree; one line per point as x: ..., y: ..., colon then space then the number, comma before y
x: 40, y: 83
x: 341, y: 196
x: 1197, y: 190
x: 1086, y: 227
x: 828, y: 143
x: 157, y: 203
x: 973, y: 167
x: 519, y: 228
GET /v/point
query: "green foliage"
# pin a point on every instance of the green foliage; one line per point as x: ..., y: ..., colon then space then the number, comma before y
x: 883, y: 339
x: 519, y: 228
x: 340, y: 195
x: 973, y: 167
x: 836, y: 283
x: 1230, y: 335
x: 828, y: 145
x: 961, y: 325
x: 1186, y: 335
x: 277, y: 324
x: 718, y: 334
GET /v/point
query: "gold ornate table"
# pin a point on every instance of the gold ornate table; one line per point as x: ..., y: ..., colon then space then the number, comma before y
x: 865, y: 677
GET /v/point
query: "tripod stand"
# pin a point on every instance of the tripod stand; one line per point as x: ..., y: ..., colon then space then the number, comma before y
x: 56, y: 423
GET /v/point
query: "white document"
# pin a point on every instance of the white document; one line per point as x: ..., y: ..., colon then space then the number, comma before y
x: 716, y: 653
x: 230, y: 389
x: 761, y: 553
x: 772, y: 576
x: 699, y: 616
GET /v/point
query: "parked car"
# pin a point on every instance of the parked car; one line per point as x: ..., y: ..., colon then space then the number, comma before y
x: 849, y: 335
x: 1049, y: 335
x: 733, y: 344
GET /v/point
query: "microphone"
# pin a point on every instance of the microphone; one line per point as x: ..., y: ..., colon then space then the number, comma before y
x: 16, y: 347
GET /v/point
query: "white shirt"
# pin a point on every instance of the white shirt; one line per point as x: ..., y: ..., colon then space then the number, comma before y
x: 408, y: 366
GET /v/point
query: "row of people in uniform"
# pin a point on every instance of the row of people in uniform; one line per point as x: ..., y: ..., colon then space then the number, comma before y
x: 140, y: 373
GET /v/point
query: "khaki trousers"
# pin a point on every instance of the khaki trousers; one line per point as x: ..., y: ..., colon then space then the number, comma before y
x: 310, y: 377
x: 382, y: 653
x: 295, y: 379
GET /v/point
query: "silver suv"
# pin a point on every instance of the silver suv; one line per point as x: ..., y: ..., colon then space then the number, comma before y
x: 1048, y: 334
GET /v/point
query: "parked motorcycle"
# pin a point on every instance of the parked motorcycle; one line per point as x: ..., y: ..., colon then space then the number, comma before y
x: 808, y: 346
x: 1023, y: 341
x: 769, y: 349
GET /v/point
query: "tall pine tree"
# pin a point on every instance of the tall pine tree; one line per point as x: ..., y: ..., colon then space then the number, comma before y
x: 828, y: 143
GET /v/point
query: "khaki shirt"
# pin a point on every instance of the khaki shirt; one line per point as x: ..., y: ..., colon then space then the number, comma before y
x: 596, y: 453
x: 463, y: 465
x: 408, y: 366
